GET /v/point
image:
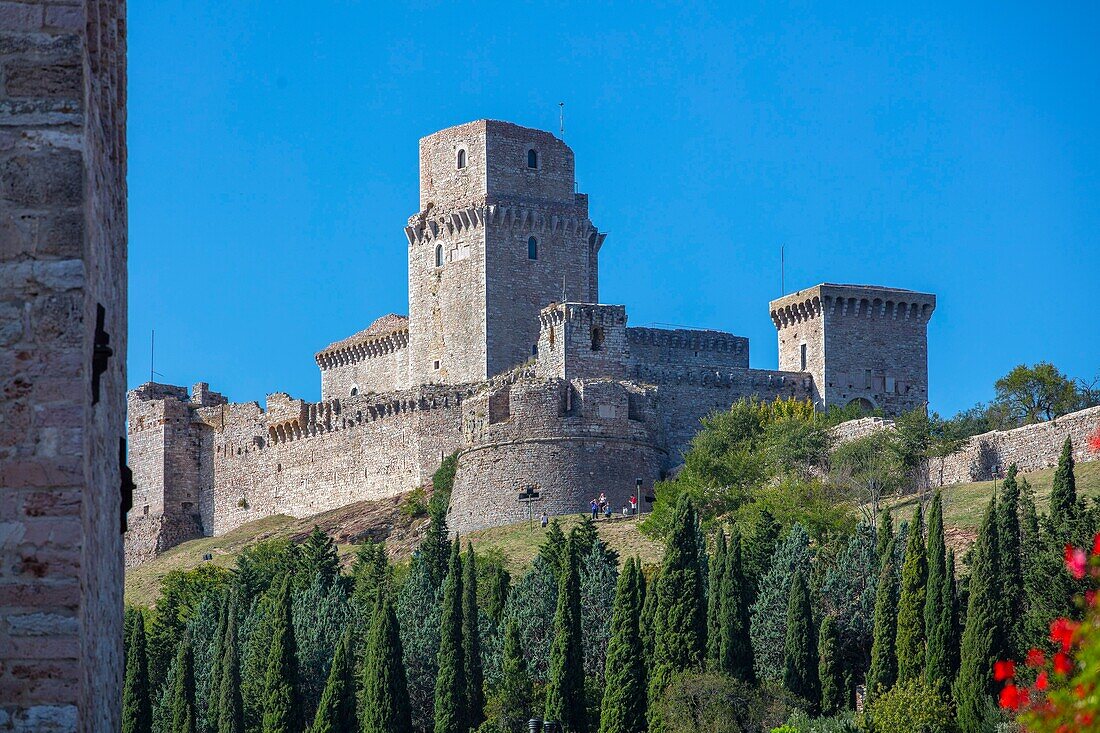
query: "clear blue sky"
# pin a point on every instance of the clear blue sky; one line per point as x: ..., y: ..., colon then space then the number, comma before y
x: 946, y: 147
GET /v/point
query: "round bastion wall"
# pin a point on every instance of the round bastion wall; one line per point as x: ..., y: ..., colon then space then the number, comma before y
x: 571, y: 441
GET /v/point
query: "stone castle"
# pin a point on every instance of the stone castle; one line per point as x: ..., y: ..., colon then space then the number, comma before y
x: 508, y: 358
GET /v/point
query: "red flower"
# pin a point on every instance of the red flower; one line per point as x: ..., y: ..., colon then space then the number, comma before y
x: 1041, y: 681
x: 1004, y: 670
x: 1035, y: 658
x: 1062, y: 631
x: 1090, y: 597
x: 1011, y: 699
x: 1062, y: 665
x: 1076, y: 561
x: 1093, y: 440
x: 1096, y: 546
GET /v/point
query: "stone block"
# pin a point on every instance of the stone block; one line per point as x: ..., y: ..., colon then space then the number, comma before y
x: 54, y: 177
x: 20, y: 16
x: 43, y: 81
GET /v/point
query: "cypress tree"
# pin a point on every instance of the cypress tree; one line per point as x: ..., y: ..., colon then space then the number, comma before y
x: 884, y: 536
x: 911, y: 602
x: 451, y: 689
x: 137, y: 709
x: 280, y: 712
x: 757, y: 551
x: 884, y: 661
x: 1047, y: 588
x: 229, y: 717
x: 647, y: 626
x: 681, y: 615
x: 385, y: 689
x: 497, y: 593
x: 554, y: 547
x: 800, y: 662
x: 213, y: 683
x: 435, y: 548
x: 831, y: 669
x: 182, y: 702
x: 475, y: 705
x: 514, y: 692
x: 1012, y: 579
x: 980, y: 639
x: 565, y: 701
x: 936, y: 653
x: 714, y: 601
x: 951, y: 614
x: 318, y: 557
x: 1063, y: 495
x: 735, y: 646
x: 336, y: 711
x: 623, y: 707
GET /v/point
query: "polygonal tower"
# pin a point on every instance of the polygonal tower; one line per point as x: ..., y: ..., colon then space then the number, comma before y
x: 500, y: 234
x: 861, y: 343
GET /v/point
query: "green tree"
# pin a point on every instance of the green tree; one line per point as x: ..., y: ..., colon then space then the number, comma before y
x: 937, y: 597
x: 369, y: 572
x: 735, y: 646
x: 137, y: 709
x: 1047, y: 588
x: 475, y: 677
x: 911, y: 602
x: 280, y: 707
x: 834, y: 690
x: 182, y: 593
x: 911, y: 707
x: 183, y: 714
x: 800, y: 662
x: 884, y: 659
x: 648, y: 623
x: 336, y: 712
x: 565, y: 696
x: 436, y: 547
x: 624, y: 699
x: 419, y: 609
x: 554, y: 548
x: 229, y: 717
x: 318, y: 557
x: 385, y: 694
x: 758, y: 547
x: 496, y: 594
x: 213, y: 681
x: 599, y: 574
x: 681, y: 616
x: 452, y: 692
x: 983, y: 634
x: 512, y: 705
x: 1012, y: 578
x: 1036, y: 393
x: 847, y: 594
x: 714, y: 600
x: 1063, y: 495
x: 885, y: 536
x: 768, y: 627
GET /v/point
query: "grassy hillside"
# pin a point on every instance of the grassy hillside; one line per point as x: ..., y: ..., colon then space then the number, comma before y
x: 517, y: 543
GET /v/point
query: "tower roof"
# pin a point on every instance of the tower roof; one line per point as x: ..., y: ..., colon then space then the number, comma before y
x: 384, y: 326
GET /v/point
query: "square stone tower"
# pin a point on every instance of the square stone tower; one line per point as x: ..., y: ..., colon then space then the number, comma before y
x: 861, y: 343
x: 500, y: 234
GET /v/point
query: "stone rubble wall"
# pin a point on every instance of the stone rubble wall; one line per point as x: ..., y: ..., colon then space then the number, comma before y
x: 1031, y: 448
x: 63, y: 238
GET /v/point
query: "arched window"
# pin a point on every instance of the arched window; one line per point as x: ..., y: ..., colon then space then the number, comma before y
x: 532, y: 158
x: 354, y: 390
x: 534, y: 349
x: 597, y: 338
x: 439, y: 255
x: 461, y: 159
x: 532, y: 248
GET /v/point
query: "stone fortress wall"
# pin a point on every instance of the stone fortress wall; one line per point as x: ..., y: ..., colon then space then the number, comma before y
x: 507, y: 358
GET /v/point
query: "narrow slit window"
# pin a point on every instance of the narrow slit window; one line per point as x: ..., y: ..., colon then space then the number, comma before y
x: 803, y: 358
x: 439, y: 255
x: 461, y: 159
x: 532, y: 248
x: 532, y: 158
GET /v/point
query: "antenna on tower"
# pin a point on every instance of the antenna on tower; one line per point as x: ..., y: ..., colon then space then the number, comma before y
x: 561, y: 119
x: 563, y: 289
x: 782, y: 270
x: 152, y: 351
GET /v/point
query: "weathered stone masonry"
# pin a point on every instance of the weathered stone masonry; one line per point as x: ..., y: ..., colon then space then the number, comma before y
x: 506, y: 357
x: 62, y: 362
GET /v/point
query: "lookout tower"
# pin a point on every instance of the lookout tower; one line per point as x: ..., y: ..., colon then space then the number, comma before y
x: 861, y: 343
x: 500, y: 234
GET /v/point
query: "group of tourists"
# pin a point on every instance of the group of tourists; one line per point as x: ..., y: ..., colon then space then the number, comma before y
x: 603, y: 506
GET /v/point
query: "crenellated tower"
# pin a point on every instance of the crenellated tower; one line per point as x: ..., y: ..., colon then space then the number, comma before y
x: 861, y: 343
x: 500, y: 234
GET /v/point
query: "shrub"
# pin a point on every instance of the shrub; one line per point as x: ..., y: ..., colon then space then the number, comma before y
x: 910, y: 707
x: 715, y: 703
x: 415, y: 504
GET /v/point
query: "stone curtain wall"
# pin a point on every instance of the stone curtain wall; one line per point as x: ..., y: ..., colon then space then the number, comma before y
x: 688, y: 347
x: 571, y: 439
x: 62, y: 259
x: 379, y: 366
x: 1031, y: 448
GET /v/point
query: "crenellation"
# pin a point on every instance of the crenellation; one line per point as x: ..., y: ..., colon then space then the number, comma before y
x: 508, y: 358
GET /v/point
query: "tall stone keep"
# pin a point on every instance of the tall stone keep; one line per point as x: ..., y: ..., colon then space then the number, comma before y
x: 862, y: 344
x: 501, y: 234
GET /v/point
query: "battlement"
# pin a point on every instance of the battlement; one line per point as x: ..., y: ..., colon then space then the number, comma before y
x: 865, y: 301
x: 434, y: 225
